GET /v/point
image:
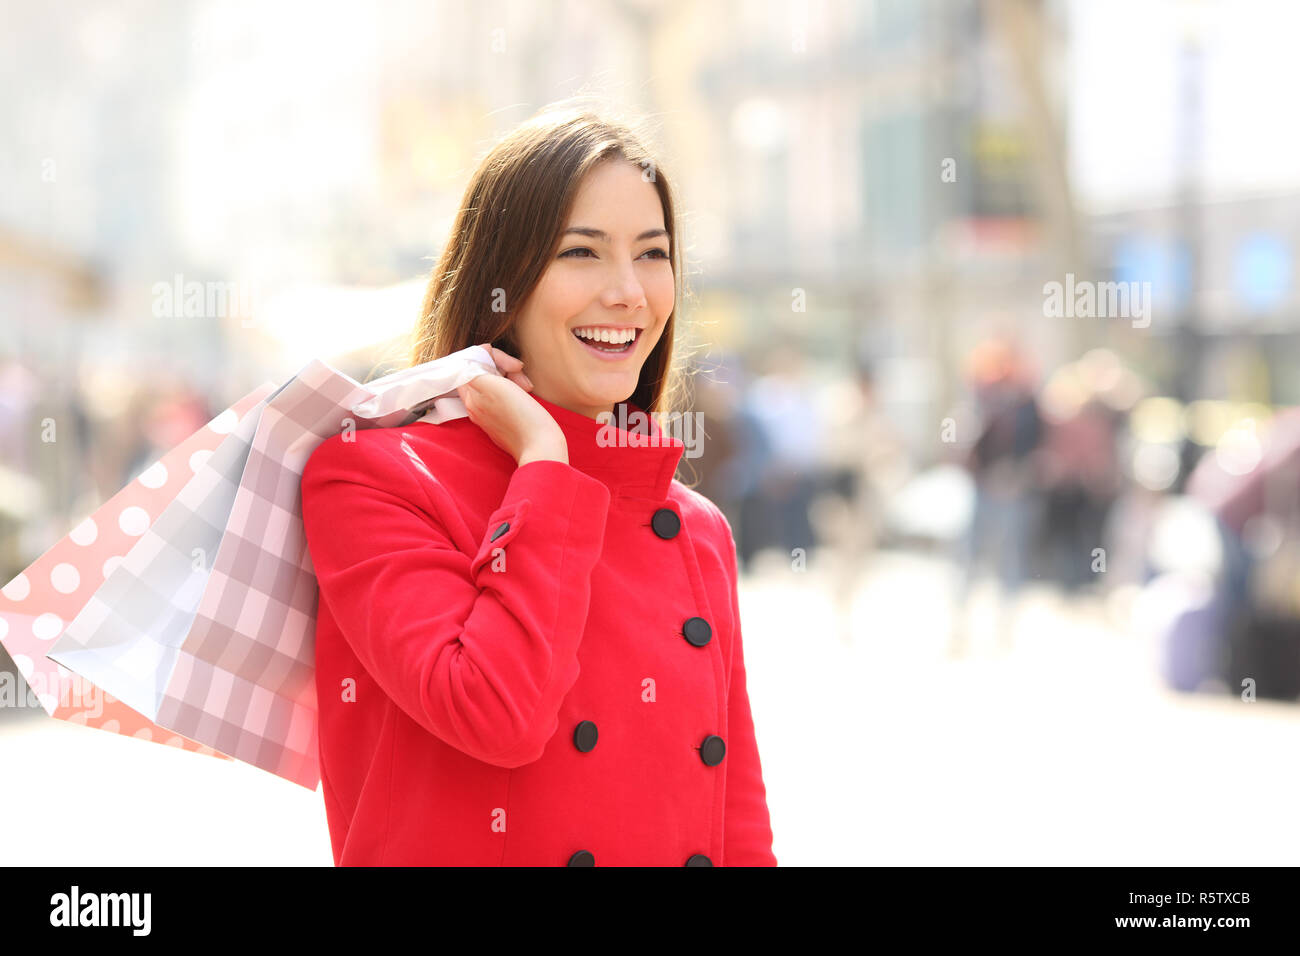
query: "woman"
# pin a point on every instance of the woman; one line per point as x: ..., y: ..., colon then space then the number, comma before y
x: 528, y: 647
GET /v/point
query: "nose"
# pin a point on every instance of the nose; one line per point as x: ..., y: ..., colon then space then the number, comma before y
x: 624, y: 289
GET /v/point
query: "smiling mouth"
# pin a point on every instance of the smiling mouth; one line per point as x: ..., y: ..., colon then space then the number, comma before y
x: 607, y: 348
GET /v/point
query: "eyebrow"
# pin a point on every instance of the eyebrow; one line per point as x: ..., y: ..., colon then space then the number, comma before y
x: 604, y: 236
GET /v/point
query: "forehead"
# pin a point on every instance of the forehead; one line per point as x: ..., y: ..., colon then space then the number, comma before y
x: 614, y: 192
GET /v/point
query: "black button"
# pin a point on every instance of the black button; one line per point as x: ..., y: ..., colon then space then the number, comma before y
x: 697, y: 631
x: 712, y: 750
x: 699, y: 859
x: 666, y: 523
x: 582, y: 858
x: 499, y: 532
x: 584, y: 736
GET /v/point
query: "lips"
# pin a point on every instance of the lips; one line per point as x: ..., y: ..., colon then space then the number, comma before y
x: 622, y: 329
x: 609, y: 354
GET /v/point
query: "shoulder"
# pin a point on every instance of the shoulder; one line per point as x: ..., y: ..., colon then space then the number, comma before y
x: 710, y: 531
x: 406, y: 455
x: 352, y: 455
x: 699, y: 511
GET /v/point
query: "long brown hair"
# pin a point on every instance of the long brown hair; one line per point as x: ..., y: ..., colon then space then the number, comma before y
x: 509, y: 226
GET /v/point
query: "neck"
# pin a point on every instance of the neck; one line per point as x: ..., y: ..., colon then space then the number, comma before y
x: 594, y: 412
x: 627, y: 450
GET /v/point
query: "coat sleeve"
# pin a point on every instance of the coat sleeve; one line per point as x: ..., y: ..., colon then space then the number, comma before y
x: 747, y: 828
x: 478, y: 649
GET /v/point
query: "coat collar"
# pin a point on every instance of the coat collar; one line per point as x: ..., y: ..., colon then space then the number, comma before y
x: 629, y: 453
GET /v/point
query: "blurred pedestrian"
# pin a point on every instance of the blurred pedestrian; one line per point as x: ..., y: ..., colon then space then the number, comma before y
x: 1002, y: 464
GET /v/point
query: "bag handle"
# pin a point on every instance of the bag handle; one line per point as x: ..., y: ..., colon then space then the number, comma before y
x: 415, y: 389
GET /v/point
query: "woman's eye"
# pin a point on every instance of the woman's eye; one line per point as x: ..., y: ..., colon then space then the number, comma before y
x: 655, y: 253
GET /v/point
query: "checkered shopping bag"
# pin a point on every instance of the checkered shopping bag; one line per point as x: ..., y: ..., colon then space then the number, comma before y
x: 210, y: 629
x: 36, y: 606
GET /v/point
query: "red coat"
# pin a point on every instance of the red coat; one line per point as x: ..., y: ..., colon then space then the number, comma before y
x: 528, y: 666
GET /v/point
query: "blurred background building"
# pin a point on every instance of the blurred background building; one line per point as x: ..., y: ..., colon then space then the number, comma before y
x: 1091, y: 510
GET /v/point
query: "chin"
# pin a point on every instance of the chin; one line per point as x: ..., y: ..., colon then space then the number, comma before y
x: 608, y: 394
x: 613, y: 383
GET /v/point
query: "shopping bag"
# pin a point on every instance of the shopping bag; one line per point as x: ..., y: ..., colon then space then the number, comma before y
x: 37, y: 605
x: 233, y: 667
x: 124, y: 639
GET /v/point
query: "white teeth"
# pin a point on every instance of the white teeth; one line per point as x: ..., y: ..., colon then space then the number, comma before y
x: 614, y: 337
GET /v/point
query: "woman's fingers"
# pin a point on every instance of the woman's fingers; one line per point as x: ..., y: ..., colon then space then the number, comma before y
x: 509, y: 366
x: 503, y: 360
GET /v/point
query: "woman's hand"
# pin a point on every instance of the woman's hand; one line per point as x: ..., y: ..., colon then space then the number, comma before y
x: 509, y: 366
x: 502, y: 407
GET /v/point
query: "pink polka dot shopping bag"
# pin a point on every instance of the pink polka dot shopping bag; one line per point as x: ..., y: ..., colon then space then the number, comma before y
x: 183, y: 609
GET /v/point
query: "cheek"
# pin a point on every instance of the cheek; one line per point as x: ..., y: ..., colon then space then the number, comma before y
x: 659, y: 293
x: 553, y: 302
x: 560, y: 296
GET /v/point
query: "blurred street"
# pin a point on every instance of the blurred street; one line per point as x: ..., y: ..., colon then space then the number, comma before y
x: 1061, y: 750
x: 987, y: 317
